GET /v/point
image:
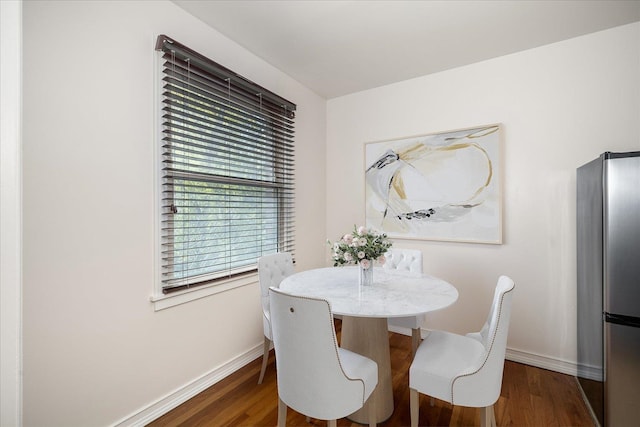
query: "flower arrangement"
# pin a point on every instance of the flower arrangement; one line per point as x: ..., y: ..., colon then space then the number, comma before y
x: 362, y: 247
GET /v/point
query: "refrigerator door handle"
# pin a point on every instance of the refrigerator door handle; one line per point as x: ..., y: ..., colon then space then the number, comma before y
x: 620, y: 319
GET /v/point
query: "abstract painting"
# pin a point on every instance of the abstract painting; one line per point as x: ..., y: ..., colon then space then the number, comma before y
x: 441, y: 186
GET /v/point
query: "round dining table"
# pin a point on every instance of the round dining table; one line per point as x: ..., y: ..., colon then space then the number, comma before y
x: 365, y: 309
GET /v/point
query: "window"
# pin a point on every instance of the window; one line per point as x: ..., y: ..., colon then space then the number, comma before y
x: 227, y: 165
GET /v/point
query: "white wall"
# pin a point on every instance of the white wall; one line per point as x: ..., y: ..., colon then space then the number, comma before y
x: 95, y: 351
x: 10, y: 213
x: 561, y: 105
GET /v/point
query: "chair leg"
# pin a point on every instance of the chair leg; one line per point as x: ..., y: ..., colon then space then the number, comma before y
x: 282, y: 413
x: 414, y: 405
x: 416, y: 336
x: 265, y: 357
x: 487, y: 417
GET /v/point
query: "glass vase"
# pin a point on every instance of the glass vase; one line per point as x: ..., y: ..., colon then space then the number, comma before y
x: 365, y: 276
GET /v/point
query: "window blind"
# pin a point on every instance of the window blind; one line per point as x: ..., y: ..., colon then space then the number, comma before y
x: 227, y: 170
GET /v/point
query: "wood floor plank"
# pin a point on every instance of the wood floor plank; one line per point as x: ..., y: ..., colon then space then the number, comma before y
x: 530, y: 397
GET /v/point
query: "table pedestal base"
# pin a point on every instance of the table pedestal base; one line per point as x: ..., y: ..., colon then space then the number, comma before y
x: 369, y: 337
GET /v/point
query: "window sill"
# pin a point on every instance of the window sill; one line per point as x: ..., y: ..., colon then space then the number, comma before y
x: 162, y: 301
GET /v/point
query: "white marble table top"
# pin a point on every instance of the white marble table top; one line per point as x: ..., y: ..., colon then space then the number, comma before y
x: 392, y: 294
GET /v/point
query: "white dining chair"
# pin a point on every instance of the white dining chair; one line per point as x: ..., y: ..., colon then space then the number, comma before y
x: 272, y: 269
x: 465, y: 370
x: 406, y: 260
x: 316, y: 377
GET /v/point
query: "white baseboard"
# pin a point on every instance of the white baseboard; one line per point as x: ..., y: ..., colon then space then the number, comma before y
x: 590, y: 372
x: 544, y: 362
x: 147, y: 414
x: 539, y: 361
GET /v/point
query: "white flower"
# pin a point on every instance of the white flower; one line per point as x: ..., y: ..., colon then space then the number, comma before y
x: 361, y: 254
x: 348, y: 257
x: 365, y: 263
x: 348, y: 238
x: 362, y: 230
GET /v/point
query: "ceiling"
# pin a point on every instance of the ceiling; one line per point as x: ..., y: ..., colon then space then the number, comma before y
x: 340, y: 47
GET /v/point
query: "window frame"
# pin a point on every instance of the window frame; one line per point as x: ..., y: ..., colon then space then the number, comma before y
x: 160, y: 298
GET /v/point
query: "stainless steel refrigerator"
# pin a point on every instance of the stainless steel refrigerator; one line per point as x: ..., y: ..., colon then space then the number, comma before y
x: 608, y: 261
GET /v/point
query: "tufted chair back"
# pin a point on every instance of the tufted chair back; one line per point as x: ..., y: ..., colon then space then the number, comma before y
x: 272, y: 269
x: 403, y: 259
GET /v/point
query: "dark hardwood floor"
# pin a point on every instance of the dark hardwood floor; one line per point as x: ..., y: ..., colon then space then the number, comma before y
x: 530, y: 397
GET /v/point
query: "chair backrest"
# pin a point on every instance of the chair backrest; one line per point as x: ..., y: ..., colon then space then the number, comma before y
x: 403, y: 259
x: 493, y: 337
x: 311, y: 379
x: 272, y: 269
